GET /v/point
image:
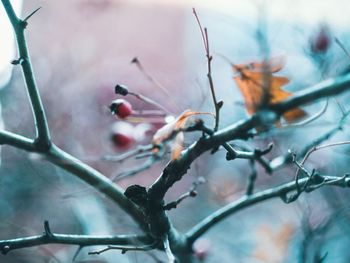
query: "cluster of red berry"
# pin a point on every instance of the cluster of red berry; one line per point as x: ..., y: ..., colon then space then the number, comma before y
x: 124, y: 133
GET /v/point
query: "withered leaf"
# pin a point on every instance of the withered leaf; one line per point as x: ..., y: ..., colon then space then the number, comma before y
x: 172, y: 132
x: 260, y: 87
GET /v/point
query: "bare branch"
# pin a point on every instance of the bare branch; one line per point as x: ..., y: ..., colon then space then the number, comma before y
x: 81, y: 240
x: 177, y: 168
x: 326, y: 88
x: 17, y: 141
x: 250, y: 200
x: 43, y: 138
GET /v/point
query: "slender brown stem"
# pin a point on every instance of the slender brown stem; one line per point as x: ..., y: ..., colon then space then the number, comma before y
x: 217, y: 105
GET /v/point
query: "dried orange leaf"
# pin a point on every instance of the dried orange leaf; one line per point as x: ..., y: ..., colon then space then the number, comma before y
x: 251, y: 81
x: 167, y: 131
x: 177, y: 146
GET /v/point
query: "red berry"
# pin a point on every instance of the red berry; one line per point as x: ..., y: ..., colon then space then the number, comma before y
x: 121, y: 108
x: 321, y: 41
x: 122, y: 134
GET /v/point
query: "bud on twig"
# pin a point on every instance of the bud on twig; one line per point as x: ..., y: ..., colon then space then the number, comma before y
x: 121, y: 90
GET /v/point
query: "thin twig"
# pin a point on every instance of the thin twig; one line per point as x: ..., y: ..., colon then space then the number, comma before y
x: 138, y: 64
x: 146, y: 165
x: 319, y: 147
x: 124, y: 249
x: 191, y: 193
x: 209, y: 57
x: 342, y: 47
x: 31, y: 14
x: 122, y: 157
x: 308, y: 120
x: 280, y: 161
x: 233, y: 153
x: 150, y: 101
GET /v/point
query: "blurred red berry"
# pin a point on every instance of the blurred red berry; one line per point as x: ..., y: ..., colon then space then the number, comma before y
x: 122, y: 134
x: 122, y: 140
x: 121, y: 108
x: 321, y: 41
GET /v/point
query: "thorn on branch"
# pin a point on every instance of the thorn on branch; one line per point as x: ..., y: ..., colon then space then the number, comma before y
x: 19, y: 61
x: 24, y: 22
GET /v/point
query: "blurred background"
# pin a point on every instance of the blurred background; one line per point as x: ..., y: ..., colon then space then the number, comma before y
x: 82, y: 48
